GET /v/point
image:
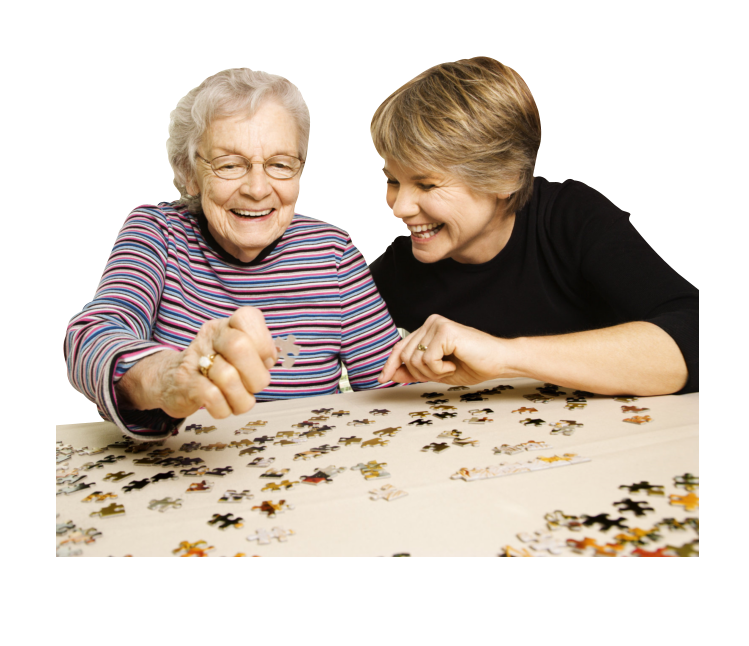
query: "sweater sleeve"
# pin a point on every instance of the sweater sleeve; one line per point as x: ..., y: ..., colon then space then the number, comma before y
x: 113, y: 331
x: 368, y: 332
x: 626, y: 272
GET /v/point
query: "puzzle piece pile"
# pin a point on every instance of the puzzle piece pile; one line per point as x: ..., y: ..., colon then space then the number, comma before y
x: 176, y: 475
x: 569, y: 534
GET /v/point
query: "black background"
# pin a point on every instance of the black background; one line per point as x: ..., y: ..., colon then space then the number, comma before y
x: 620, y: 131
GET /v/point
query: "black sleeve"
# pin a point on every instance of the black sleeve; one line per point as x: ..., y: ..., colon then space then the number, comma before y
x: 625, y: 271
x: 384, y: 272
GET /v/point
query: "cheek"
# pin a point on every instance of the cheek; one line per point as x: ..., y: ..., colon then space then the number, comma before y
x: 390, y: 195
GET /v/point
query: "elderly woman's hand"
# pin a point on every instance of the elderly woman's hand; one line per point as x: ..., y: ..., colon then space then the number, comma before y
x: 455, y: 354
x: 172, y: 381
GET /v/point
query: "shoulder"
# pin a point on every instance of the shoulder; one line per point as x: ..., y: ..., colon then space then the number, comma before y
x: 397, y: 255
x: 572, y: 210
x: 304, y: 226
x: 165, y: 215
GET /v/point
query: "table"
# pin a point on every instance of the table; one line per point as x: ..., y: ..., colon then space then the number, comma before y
x: 441, y: 515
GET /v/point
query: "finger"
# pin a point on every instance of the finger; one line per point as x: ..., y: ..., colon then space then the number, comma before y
x: 251, y: 321
x: 432, y: 360
x: 224, y: 375
x: 211, y: 397
x: 392, y: 364
x: 402, y: 376
x: 411, y: 355
x: 237, y: 348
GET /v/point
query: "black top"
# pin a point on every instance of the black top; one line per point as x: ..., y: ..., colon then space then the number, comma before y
x: 573, y: 262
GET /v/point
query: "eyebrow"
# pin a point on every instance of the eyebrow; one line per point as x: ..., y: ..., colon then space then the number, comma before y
x: 234, y: 152
x: 414, y: 178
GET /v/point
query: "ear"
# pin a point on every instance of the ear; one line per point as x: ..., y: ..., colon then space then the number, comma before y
x: 192, y: 186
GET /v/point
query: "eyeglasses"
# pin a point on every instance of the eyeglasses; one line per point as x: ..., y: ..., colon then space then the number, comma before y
x: 236, y: 166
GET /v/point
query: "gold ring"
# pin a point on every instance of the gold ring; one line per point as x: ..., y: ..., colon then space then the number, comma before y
x: 205, y: 363
x: 422, y: 348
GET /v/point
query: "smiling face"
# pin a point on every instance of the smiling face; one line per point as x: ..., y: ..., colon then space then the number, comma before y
x: 246, y: 215
x: 446, y: 218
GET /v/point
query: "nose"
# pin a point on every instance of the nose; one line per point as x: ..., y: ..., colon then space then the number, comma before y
x: 405, y: 204
x: 256, y: 184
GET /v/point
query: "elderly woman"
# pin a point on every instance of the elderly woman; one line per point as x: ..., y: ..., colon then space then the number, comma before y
x: 507, y: 275
x: 198, y: 293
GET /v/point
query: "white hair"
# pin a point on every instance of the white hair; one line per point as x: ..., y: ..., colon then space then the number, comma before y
x: 226, y: 94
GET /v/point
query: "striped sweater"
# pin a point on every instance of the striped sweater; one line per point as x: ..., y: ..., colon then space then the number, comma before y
x: 167, y: 276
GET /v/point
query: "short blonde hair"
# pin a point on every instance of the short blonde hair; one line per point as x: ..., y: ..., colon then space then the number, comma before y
x: 475, y: 119
x: 227, y: 93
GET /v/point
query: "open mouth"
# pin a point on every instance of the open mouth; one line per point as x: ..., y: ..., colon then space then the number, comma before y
x: 251, y: 214
x: 426, y: 232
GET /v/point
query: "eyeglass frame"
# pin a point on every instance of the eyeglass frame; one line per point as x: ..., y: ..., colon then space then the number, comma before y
x: 250, y: 164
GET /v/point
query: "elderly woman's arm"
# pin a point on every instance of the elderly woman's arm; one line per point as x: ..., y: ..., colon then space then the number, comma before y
x: 147, y: 386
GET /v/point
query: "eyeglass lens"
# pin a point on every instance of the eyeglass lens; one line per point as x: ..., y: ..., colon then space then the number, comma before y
x: 236, y: 166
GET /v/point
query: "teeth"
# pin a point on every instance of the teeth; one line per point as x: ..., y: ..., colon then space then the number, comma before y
x: 252, y: 214
x: 422, y: 227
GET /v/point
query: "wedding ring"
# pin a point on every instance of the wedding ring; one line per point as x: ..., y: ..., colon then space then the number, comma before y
x: 421, y: 348
x: 205, y: 363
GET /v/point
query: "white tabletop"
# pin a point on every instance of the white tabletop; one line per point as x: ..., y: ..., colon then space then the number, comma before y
x: 441, y: 515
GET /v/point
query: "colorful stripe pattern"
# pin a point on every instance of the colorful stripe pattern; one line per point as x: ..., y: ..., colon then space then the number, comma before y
x: 163, y: 281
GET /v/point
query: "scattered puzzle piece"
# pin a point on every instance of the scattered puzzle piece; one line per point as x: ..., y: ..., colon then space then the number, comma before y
x: 659, y: 552
x: 650, y: 490
x: 538, y: 399
x: 224, y: 521
x: 372, y: 470
x: 277, y: 486
x: 465, y: 441
x: 234, y: 496
x: 688, y: 549
x: 349, y: 440
x: 169, y: 475
x: 193, y: 549
x: 532, y: 422
x: 379, y: 411
x: 638, y: 419
x: 541, y: 541
x: 263, y: 537
x: 219, y: 471
x: 387, y: 492
x: 687, y: 481
x: 420, y: 422
x: 78, y: 486
x: 116, y: 477
x: 377, y: 441
x: 270, y: 508
x: 633, y: 409
x: 524, y: 410
x: 637, y: 507
x: 274, y: 473
x: 390, y: 432
x: 199, y: 487
x: 690, y: 502
x: 436, y: 447
x: 188, y: 447
x: 565, y: 427
x: 109, y: 511
x: 444, y: 415
x: 307, y: 455
x: 261, y: 462
x: 165, y: 504
x: 194, y: 472
x: 557, y: 519
x: 135, y: 484
x: 604, y: 521
x: 98, y: 496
